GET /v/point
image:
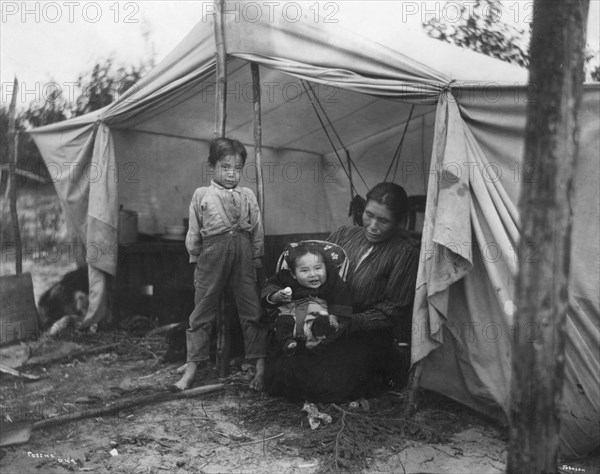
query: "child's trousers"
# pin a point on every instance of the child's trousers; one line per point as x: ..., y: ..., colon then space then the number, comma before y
x: 226, y: 259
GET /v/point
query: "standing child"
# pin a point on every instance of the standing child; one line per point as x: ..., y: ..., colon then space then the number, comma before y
x: 225, y: 239
x: 310, y: 297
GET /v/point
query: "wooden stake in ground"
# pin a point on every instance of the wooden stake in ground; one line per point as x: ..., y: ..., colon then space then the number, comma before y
x: 409, y: 406
x: 260, y: 188
x: 12, y: 176
x: 551, y: 146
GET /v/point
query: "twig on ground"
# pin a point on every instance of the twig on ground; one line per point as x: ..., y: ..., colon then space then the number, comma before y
x: 207, y: 462
x: 145, y: 349
x: 401, y: 463
x: 149, y: 375
x: 444, y: 451
x: 257, y: 440
x: 348, y: 442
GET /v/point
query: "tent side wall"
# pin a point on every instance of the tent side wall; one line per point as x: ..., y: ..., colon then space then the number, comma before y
x: 473, y: 364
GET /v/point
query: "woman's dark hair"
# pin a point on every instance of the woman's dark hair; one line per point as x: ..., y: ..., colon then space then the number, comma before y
x: 392, y: 196
x: 222, y: 147
x: 300, y: 250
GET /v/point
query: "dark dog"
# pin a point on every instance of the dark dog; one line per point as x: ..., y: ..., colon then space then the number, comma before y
x: 67, y: 298
x: 176, y: 341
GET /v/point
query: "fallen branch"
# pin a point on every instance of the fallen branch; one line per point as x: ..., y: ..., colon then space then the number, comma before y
x: 49, y: 359
x: 113, y: 409
x: 8, y: 370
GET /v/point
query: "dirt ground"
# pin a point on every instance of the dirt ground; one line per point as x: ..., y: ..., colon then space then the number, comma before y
x: 232, y: 430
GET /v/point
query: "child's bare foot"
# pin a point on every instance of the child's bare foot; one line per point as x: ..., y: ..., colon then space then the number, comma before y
x: 181, y: 370
x: 187, y: 380
x: 259, y: 379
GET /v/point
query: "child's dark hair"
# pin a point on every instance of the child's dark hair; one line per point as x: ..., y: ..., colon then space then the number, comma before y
x: 222, y: 147
x: 300, y: 250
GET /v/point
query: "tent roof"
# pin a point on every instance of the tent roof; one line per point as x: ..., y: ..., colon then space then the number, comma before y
x: 409, y: 67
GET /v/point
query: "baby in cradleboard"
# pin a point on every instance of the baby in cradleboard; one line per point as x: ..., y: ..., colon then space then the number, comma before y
x: 311, y: 299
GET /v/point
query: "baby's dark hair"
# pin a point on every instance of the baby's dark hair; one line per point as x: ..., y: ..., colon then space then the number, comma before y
x: 300, y: 250
x: 223, y: 147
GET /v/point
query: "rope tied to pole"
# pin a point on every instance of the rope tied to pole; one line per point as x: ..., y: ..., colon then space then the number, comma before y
x: 314, y: 101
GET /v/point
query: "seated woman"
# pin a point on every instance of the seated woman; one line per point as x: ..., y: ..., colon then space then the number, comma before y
x: 359, y: 359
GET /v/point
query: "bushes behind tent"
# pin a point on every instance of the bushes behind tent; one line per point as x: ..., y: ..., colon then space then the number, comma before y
x: 41, y: 220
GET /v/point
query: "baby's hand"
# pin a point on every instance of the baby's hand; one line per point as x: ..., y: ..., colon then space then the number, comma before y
x: 333, y: 321
x: 282, y: 296
x: 286, y: 292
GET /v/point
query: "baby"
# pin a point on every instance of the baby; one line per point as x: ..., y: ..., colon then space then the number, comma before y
x: 310, y: 297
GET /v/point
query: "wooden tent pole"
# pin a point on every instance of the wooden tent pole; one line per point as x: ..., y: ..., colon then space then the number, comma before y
x: 223, y: 325
x: 414, y: 379
x: 12, y: 175
x: 221, y: 69
x: 551, y: 147
x: 260, y: 188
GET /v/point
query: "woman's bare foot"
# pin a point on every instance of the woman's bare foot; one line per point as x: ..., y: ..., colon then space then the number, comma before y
x: 187, y: 380
x: 259, y: 379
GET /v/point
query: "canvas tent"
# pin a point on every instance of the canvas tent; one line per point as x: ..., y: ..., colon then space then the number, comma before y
x: 460, y: 117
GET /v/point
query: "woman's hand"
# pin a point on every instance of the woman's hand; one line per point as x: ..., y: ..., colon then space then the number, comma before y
x: 281, y: 296
x: 342, y: 329
x: 333, y: 321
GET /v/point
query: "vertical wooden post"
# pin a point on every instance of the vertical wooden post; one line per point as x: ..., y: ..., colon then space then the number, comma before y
x: 410, y: 402
x: 223, y: 324
x: 221, y: 70
x: 12, y: 176
x: 551, y: 147
x: 223, y: 335
x: 260, y: 188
